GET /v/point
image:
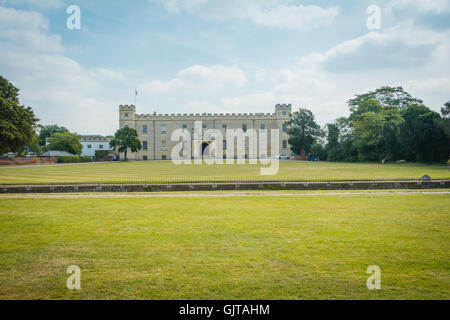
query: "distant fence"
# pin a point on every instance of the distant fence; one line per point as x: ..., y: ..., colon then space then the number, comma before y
x: 27, y: 161
x: 154, y: 186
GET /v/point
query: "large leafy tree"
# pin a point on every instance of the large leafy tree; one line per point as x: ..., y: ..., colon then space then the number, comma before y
x: 376, y: 119
x: 47, y: 131
x: 423, y: 137
x: 389, y: 97
x: 17, y: 123
x: 66, y: 141
x: 124, y: 139
x: 303, y: 130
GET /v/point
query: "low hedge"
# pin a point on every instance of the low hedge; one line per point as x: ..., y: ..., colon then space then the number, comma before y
x: 101, y: 154
x: 74, y: 159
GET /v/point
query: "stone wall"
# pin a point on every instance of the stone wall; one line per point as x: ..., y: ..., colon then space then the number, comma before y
x: 27, y: 161
x: 230, y: 186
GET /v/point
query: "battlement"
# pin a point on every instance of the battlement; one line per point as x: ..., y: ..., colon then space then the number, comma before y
x: 211, y: 116
x: 283, y: 106
x: 284, y: 109
x: 125, y: 107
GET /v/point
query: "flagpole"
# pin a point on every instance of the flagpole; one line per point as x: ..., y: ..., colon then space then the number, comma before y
x: 135, y: 98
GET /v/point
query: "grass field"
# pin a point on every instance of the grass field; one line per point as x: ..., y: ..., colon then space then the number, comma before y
x: 297, y: 247
x: 167, y: 171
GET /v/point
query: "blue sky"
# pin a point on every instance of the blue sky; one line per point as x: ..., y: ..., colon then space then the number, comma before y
x: 218, y: 56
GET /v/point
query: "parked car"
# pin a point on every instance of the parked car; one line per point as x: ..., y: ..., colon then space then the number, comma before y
x: 283, y: 157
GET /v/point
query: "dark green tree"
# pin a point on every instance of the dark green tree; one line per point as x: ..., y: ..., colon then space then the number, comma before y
x: 303, y: 131
x: 376, y: 125
x: 47, y: 131
x: 66, y: 141
x: 124, y: 139
x: 17, y: 123
x: 445, y: 110
x: 340, y: 137
x: 422, y: 137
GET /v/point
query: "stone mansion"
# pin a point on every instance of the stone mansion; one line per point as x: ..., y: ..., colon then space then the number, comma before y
x: 155, y: 130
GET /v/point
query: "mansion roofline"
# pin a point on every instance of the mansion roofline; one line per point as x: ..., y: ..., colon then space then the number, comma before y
x: 278, y: 107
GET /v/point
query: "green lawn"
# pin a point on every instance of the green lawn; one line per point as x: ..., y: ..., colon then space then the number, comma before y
x: 298, y: 247
x: 165, y: 170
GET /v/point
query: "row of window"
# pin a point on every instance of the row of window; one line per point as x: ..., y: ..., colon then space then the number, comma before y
x: 89, y: 146
x: 163, y: 145
x: 224, y: 127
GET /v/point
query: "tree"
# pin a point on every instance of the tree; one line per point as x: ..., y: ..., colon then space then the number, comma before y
x: 32, y: 148
x: 47, y: 131
x: 389, y: 97
x: 17, y: 123
x: 445, y: 110
x: 124, y: 139
x: 368, y: 135
x: 303, y: 131
x: 340, y: 137
x: 423, y: 138
x: 66, y: 141
x: 376, y: 124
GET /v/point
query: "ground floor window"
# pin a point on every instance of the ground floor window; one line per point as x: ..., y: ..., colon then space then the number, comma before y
x: 145, y: 158
x: 164, y: 157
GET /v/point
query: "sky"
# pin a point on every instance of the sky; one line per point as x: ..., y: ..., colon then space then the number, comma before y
x: 218, y: 56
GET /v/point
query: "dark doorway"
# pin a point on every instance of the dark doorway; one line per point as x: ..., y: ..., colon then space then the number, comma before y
x: 204, y: 146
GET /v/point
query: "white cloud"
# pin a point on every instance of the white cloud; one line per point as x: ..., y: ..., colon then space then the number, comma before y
x: 44, y: 4
x: 27, y: 29
x: 428, y: 86
x: 434, y: 6
x: 58, y: 88
x: 293, y: 17
x: 279, y: 14
x: 401, y: 46
x: 199, y: 79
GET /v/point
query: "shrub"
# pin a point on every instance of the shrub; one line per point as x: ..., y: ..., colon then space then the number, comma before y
x: 74, y: 159
x: 101, y: 154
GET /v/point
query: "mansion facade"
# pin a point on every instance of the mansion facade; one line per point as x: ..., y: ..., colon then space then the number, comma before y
x: 155, y: 130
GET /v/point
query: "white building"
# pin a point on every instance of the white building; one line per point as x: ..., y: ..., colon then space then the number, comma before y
x: 93, y: 143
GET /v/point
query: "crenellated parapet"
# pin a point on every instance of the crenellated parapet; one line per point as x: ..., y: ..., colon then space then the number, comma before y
x: 212, y: 116
x: 126, y: 107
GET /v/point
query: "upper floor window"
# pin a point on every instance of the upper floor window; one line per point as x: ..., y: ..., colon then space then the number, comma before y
x: 163, y: 144
x: 144, y: 129
x: 205, y: 126
x: 89, y: 146
x: 126, y: 115
x: 244, y: 127
x: 184, y: 126
x: 100, y: 146
x: 163, y: 129
x: 284, y: 127
x: 144, y: 145
x: 224, y: 127
x: 224, y: 144
x: 284, y: 113
x: 263, y: 126
x: 284, y: 144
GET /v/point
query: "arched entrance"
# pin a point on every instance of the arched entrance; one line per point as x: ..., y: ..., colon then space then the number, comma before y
x: 205, y: 145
